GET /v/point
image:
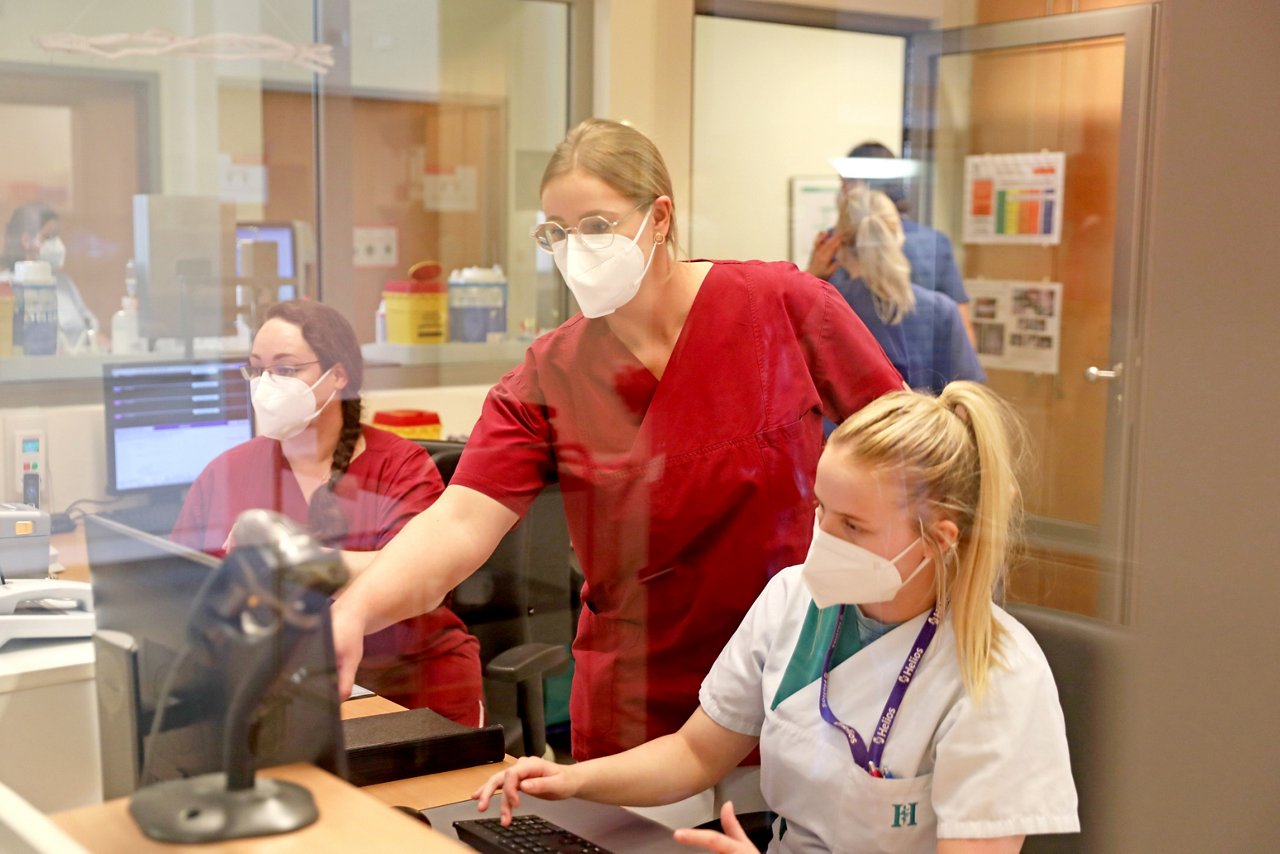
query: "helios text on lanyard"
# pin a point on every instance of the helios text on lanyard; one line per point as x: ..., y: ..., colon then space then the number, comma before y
x: 862, y: 756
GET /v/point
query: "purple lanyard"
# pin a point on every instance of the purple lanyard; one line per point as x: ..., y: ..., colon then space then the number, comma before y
x: 870, y: 759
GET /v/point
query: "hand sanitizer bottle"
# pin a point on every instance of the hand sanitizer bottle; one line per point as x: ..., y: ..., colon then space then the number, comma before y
x: 124, y: 323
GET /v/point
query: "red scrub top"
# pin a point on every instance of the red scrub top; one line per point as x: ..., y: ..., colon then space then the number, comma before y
x: 427, y: 661
x: 685, y: 495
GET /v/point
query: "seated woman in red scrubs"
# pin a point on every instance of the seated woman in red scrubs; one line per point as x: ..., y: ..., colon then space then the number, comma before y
x: 352, y: 486
x: 680, y: 412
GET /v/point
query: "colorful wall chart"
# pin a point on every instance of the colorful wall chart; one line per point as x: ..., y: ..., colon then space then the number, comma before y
x: 1014, y: 198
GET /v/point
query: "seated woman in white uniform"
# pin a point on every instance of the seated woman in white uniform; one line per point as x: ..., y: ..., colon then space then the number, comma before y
x: 896, y: 707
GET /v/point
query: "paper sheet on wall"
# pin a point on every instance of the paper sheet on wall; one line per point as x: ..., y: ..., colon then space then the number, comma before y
x: 449, y: 188
x: 1018, y: 324
x: 1014, y: 198
x: 813, y: 209
x: 241, y: 183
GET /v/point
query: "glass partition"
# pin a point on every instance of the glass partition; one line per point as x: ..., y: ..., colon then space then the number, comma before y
x: 172, y: 168
x: 200, y: 161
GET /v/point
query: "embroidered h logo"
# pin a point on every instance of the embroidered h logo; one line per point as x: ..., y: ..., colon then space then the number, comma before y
x: 904, y: 815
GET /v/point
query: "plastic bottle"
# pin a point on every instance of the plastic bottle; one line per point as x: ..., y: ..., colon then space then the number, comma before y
x: 124, y: 323
x: 7, y: 304
x: 36, y: 313
x: 380, y: 323
x: 131, y: 281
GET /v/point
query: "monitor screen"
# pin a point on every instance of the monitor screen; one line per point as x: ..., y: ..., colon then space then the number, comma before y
x: 144, y: 587
x: 281, y: 234
x: 167, y: 420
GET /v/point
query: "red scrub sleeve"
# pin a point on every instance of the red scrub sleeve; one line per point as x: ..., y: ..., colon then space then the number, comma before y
x: 848, y: 366
x: 193, y: 529
x: 508, y: 456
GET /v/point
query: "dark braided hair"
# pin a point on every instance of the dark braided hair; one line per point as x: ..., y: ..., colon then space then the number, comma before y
x: 329, y: 334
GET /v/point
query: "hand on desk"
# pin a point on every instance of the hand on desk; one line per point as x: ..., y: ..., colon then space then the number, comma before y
x: 535, y: 776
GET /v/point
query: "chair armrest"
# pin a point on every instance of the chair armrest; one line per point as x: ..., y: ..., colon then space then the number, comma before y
x: 523, y: 662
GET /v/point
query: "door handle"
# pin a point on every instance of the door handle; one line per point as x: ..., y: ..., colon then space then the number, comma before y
x: 1093, y: 374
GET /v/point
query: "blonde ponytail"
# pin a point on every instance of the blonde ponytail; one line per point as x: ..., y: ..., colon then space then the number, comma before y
x: 983, y: 556
x: 960, y: 453
x: 869, y: 221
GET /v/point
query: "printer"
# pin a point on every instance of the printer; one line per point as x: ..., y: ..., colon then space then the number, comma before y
x: 33, y: 605
x: 24, y: 541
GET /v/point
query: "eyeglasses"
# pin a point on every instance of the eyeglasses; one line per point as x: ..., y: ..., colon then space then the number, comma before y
x: 252, y: 372
x: 596, y: 232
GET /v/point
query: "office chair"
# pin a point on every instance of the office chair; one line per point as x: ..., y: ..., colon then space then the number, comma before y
x: 519, y: 605
x: 1087, y: 660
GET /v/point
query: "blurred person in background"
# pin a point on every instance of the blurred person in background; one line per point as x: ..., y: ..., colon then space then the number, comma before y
x: 920, y: 330
x: 33, y: 234
x: 933, y: 263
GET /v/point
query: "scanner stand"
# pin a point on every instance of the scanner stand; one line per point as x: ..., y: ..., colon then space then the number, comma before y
x: 268, y: 595
x: 206, y: 809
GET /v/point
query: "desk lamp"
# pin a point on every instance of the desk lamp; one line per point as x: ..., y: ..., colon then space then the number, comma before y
x: 268, y: 596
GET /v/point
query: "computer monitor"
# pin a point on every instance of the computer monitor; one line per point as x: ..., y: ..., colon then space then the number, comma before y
x: 165, y: 421
x: 294, y: 256
x: 184, y: 260
x: 144, y: 589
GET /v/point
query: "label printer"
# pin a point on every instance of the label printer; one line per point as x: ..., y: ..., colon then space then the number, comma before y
x: 24, y: 542
x: 32, y: 605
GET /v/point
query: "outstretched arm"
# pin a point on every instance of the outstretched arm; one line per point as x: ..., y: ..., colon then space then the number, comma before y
x: 417, y: 569
x: 661, y: 771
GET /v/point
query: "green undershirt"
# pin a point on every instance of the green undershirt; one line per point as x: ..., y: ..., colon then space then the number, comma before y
x: 810, y: 651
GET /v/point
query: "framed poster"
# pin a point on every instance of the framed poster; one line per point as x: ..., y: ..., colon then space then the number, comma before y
x: 1014, y: 198
x: 1018, y: 324
x: 813, y: 209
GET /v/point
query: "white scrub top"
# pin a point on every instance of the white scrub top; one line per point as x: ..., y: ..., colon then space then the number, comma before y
x: 960, y: 769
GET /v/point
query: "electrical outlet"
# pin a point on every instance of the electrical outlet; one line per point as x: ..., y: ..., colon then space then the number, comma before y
x: 376, y: 246
x: 30, y: 463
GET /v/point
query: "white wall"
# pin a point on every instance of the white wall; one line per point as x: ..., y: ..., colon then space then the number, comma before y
x: 773, y: 101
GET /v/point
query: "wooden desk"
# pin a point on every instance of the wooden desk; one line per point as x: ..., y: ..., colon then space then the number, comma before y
x: 434, y: 790
x: 350, y: 821
x: 364, y: 707
x: 73, y: 554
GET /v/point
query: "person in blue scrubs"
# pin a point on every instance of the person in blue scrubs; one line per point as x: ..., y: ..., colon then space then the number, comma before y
x: 921, y: 331
x: 933, y: 263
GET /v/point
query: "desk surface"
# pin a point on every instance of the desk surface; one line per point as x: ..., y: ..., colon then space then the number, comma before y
x: 364, y: 707
x: 350, y: 821
x: 73, y: 554
x: 350, y: 818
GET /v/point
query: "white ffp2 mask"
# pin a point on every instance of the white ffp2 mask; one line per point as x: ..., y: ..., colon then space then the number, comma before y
x: 603, y: 280
x: 839, y: 573
x: 54, y: 251
x: 284, y: 406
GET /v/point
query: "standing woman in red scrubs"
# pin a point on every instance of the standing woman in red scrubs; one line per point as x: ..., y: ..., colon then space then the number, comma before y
x: 681, y: 413
x: 351, y: 486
